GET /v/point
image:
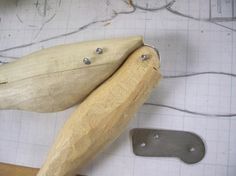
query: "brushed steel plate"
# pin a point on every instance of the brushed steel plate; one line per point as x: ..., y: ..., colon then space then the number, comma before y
x: 186, y: 146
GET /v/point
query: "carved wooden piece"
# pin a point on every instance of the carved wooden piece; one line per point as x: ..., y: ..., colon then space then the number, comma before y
x: 56, y: 78
x: 102, y: 116
x: 13, y: 170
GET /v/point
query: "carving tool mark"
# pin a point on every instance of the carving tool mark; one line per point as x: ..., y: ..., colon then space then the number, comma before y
x: 56, y: 72
x: 3, y: 82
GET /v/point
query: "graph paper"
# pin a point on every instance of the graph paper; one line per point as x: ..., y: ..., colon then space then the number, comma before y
x: 197, y: 43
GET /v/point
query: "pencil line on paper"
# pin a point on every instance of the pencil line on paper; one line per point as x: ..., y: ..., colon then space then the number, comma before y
x: 198, y: 73
x: 168, y: 7
x: 115, y: 14
x: 189, y: 111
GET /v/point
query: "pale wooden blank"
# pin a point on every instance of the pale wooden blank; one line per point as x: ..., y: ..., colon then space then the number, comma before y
x: 13, y: 170
x: 56, y: 78
x: 103, y: 115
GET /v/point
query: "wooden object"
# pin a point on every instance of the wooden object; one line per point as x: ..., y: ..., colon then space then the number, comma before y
x: 56, y: 78
x: 13, y: 170
x: 103, y: 115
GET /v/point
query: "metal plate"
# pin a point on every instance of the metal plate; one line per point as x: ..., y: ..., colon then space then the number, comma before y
x: 186, y: 146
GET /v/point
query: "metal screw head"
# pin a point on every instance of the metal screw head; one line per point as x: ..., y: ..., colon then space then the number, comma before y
x: 86, y: 61
x: 143, y: 144
x: 192, y: 149
x: 144, y: 57
x: 156, y: 136
x: 99, y: 50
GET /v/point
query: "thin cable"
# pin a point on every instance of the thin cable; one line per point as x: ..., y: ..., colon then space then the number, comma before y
x: 198, y: 73
x: 189, y: 111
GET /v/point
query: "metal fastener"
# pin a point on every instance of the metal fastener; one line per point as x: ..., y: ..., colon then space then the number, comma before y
x: 143, y: 144
x: 156, y: 136
x: 144, y: 57
x: 99, y: 50
x: 86, y: 61
x: 192, y: 149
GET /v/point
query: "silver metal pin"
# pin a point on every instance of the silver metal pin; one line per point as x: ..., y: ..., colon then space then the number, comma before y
x: 144, y: 57
x: 156, y: 136
x: 99, y: 50
x: 86, y: 61
x: 192, y: 149
x: 143, y: 144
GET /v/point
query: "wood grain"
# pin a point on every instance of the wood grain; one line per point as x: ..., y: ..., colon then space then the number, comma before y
x: 56, y: 78
x: 103, y: 115
x: 13, y: 170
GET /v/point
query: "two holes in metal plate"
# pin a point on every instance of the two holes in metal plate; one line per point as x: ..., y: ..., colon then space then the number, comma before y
x: 156, y: 137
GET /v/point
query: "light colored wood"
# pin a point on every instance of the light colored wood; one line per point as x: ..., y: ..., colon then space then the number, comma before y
x: 13, y: 170
x: 103, y: 115
x: 56, y: 78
